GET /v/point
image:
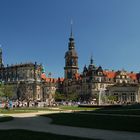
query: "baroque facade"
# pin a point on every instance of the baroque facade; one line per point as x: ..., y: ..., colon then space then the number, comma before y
x: 94, y: 80
x: 28, y: 80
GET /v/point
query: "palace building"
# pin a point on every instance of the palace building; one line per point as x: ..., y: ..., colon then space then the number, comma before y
x: 95, y: 81
x: 28, y: 80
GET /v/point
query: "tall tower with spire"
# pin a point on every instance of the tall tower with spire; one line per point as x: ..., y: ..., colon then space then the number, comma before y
x: 71, y: 58
x: 1, y: 62
x: 91, y: 65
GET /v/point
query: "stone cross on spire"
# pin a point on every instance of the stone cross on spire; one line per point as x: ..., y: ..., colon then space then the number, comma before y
x: 71, y: 33
x: 91, y: 59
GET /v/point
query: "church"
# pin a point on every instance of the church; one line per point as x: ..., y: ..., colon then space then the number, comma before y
x: 28, y: 80
x: 95, y: 82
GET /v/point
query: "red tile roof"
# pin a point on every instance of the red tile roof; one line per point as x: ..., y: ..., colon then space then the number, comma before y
x: 113, y: 74
x: 133, y: 76
x: 60, y: 79
x: 47, y: 79
x: 43, y: 76
x: 110, y: 74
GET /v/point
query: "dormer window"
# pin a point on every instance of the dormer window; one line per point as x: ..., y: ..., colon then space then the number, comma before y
x: 123, y: 77
x: 99, y: 73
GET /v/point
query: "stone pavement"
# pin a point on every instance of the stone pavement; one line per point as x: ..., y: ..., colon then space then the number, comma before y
x: 30, y: 121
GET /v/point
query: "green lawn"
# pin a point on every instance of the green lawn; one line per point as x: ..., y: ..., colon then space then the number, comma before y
x: 9, y: 111
x: 6, y: 118
x: 77, y: 108
x: 27, y: 110
x: 97, y: 121
x: 122, y: 112
x: 134, y: 106
x: 30, y: 135
x: 36, y: 108
x: 123, y: 107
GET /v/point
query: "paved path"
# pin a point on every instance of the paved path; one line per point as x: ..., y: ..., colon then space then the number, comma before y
x: 30, y: 121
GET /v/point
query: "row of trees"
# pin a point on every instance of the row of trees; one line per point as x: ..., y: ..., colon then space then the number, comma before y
x: 23, y: 92
x: 61, y: 96
x: 6, y: 92
x: 74, y: 97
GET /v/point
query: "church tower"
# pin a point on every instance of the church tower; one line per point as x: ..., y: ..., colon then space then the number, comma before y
x: 1, y: 62
x: 71, y: 58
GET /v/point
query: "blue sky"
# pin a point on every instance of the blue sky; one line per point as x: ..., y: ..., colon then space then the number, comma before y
x: 38, y: 30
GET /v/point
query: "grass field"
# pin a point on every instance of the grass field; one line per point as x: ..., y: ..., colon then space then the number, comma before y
x: 30, y: 135
x: 124, y: 110
x: 36, y: 109
x: 25, y: 110
x: 77, y: 108
x: 9, y: 111
x: 123, y: 107
x: 121, y: 112
x: 122, y: 123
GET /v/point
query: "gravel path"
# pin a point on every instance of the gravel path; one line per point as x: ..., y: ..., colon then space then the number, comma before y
x: 30, y: 121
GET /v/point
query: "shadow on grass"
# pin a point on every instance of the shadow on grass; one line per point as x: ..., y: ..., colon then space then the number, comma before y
x: 31, y: 135
x: 110, y: 107
x: 113, y: 109
x: 6, y: 118
x: 36, y: 127
x: 121, y: 110
x: 90, y: 120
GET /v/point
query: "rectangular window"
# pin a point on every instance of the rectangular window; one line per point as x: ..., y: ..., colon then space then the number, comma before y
x: 132, y: 97
x: 124, y: 97
x: 38, y: 96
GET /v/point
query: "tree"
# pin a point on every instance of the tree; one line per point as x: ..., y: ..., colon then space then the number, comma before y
x: 66, y: 97
x: 6, y: 91
x: 25, y: 92
x: 95, y: 98
x: 1, y: 93
x: 72, y: 96
x: 59, y: 96
x: 112, y: 98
